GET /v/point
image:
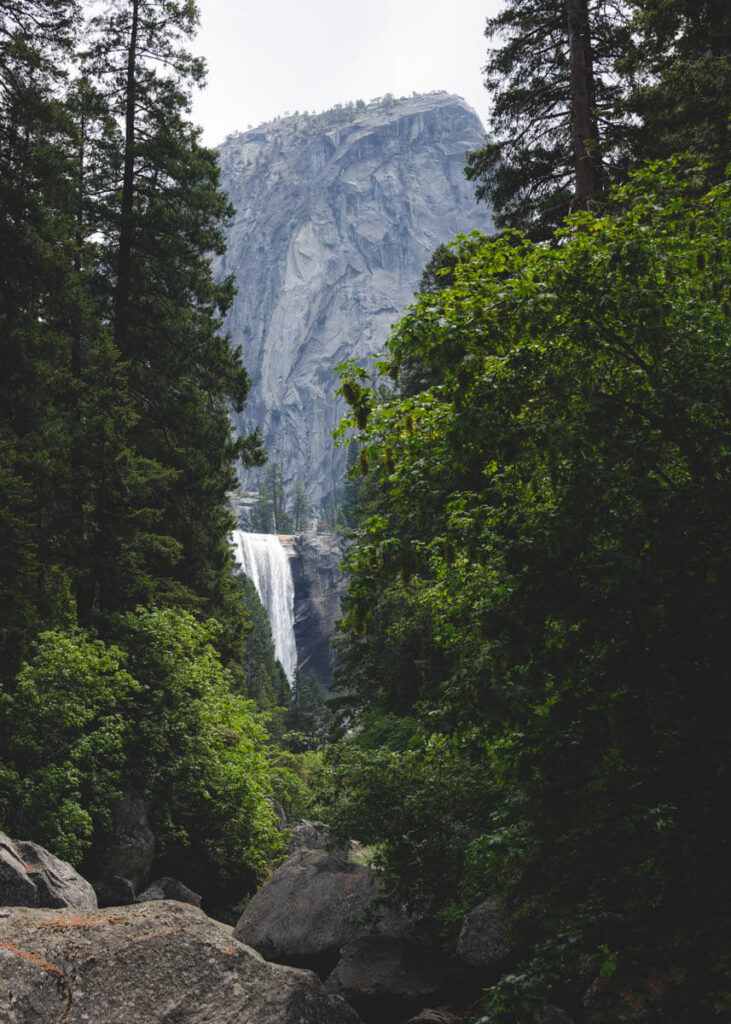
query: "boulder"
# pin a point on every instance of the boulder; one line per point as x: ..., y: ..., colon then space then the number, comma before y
x: 114, y: 892
x: 169, y: 889
x: 30, y: 876
x: 481, y: 942
x: 131, y: 846
x: 386, y: 978
x: 152, y: 963
x: 304, y: 914
x: 16, y: 888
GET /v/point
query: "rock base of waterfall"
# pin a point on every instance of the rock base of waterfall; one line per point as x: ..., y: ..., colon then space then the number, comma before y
x: 319, y: 586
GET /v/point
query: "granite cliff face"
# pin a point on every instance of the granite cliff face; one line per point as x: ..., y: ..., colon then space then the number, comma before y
x: 336, y: 216
x: 318, y: 589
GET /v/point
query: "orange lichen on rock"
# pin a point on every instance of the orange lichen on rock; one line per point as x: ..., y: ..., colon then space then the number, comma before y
x: 31, y: 958
x: 75, y: 921
x: 152, y: 935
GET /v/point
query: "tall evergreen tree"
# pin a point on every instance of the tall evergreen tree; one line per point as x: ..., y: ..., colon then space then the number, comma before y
x: 165, y: 309
x: 262, y: 520
x: 558, y: 134
x: 680, y: 59
x: 35, y: 41
x: 273, y: 488
x: 301, y: 508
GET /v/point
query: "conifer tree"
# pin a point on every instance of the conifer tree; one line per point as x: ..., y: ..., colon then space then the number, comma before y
x: 558, y: 132
x: 35, y: 40
x: 680, y: 62
x: 165, y: 219
x: 300, y: 508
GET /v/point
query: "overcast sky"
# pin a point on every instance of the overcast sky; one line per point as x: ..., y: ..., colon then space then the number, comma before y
x: 267, y: 57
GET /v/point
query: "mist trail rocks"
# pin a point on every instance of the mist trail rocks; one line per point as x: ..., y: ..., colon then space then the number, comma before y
x: 154, y: 963
x: 30, y: 876
x: 305, y: 913
x: 336, y: 216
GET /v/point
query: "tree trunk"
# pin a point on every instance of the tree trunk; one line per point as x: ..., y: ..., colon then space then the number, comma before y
x: 584, y: 134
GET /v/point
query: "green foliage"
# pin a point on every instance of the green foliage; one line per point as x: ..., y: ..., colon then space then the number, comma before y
x: 294, y: 778
x: 542, y: 579
x: 264, y: 680
x: 156, y: 712
x: 680, y: 64
x: 308, y: 719
x: 197, y: 749
x: 64, y: 730
x: 419, y: 806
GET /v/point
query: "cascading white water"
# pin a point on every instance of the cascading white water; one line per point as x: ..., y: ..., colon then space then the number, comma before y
x: 265, y: 562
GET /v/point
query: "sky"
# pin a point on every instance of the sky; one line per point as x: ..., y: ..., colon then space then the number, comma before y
x: 269, y: 57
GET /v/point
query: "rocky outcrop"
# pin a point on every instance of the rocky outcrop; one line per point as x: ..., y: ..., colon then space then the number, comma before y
x: 336, y: 216
x: 30, y: 876
x: 305, y: 913
x: 318, y: 589
x: 309, y: 835
x: 154, y: 963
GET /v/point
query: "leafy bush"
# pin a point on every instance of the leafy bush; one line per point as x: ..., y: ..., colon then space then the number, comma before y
x: 155, y: 712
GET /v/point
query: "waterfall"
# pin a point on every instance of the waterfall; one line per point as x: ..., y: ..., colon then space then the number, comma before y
x: 265, y: 562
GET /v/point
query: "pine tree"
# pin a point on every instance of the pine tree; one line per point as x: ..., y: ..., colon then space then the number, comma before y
x: 35, y: 291
x: 165, y: 218
x: 261, y: 519
x: 301, y: 508
x: 273, y: 487
x: 559, y: 135
x: 680, y: 60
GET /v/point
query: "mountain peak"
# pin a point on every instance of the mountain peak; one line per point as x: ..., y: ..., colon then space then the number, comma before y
x: 336, y: 215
